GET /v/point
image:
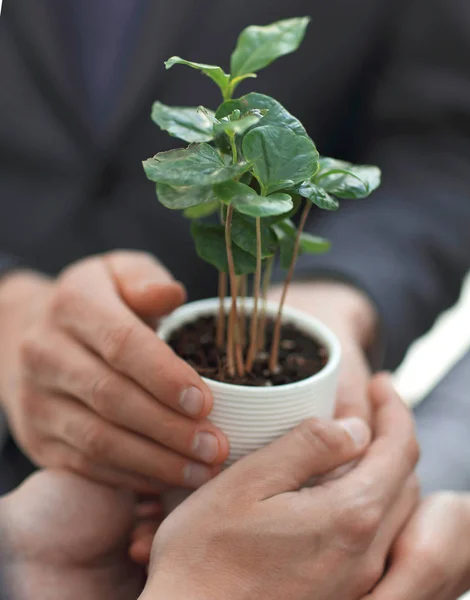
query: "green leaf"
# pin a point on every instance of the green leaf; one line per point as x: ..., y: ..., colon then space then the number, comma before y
x: 235, y: 82
x: 240, y: 125
x: 209, y: 114
x: 227, y: 108
x: 216, y: 73
x: 244, y: 236
x: 346, y: 180
x: 246, y: 201
x: 202, y: 210
x: 279, y: 155
x: 199, y: 165
x: 282, y: 185
x: 246, y: 178
x: 210, y: 246
x: 317, y: 195
x: 187, y: 197
x: 277, y: 115
x: 285, y: 228
x: 311, y: 244
x: 185, y: 123
x: 297, y: 202
x: 286, y: 233
x: 259, y: 46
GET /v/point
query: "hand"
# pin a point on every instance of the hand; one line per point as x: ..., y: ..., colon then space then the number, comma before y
x: 65, y: 538
x: 349, y: 314
x: 431, y: 558
x: 87, y: 385
x: 253, y: 533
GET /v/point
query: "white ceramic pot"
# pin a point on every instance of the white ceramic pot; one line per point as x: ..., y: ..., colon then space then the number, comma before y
x: 252, y: 417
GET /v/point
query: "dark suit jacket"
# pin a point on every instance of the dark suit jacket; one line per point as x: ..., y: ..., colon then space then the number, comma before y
x: 375, y: 81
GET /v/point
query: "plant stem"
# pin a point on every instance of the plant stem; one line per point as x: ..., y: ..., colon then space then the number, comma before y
x: 256, y: 292
x: 274, y: 358
x: 266, y: 282
x: 243, y: 290
x: 220, y: 335
x: 233, y: 337
x: 233, y: 146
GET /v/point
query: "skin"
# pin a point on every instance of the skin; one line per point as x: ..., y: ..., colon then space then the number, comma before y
x: 88, y: 386
x: 431, y: 559
x: 66, y: 536
x: 327, y: 540
x: 352, y: 317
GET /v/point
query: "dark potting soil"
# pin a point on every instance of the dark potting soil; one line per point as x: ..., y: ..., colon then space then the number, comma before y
x: 300, y: 356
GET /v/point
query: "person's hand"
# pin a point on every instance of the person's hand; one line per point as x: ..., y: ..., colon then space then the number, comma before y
x: 88, y: 386
x: 253, y: 533
x: 431, y: 558
x: 348, y: 313
x: 65, y: 537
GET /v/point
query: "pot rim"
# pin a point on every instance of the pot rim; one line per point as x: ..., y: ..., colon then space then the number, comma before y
x: 305, y: 322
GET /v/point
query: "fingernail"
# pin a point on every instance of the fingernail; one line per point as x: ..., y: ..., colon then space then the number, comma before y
x: 192, y: 401
x: 196, y: 475
x: 205, y: 447
x: 357, y: 429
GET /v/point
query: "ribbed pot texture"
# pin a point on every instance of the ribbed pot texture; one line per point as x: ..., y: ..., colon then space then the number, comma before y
x: 252, y: 417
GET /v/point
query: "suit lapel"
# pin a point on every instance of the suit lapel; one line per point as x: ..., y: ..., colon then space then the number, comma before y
x: 163, y: 31
x: 43, y: 51
x: 164, y: 23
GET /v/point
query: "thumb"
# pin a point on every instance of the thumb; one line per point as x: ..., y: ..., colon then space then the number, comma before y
x: 313, y: 448
x: 144, y: 284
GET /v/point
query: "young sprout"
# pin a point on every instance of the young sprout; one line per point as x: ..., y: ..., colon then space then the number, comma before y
x: 251, y: 164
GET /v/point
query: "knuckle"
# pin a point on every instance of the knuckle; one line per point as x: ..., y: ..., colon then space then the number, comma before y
x: 91, y: 439
x: 79, y: 463
x: 104, y: 395
x: 115, y: 342
x: 33, y: 354
x: 359, y: 526
x: 176, y: 433
x: 28, y: 401
x: 67, y: 294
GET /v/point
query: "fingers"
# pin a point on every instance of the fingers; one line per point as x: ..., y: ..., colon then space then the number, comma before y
x: 353, y: 398
x: 390, y: 528
x: 144, y: 284
x: 141, y: 548
x: 58, y: 455
x: 313, y: 448
x: 103, y: 444
x: 405, y: 580
x: 71, y: 369
x: 392, y: 455
x: 430, y: 559
x: 89, y: 308
x: 147, y: 509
